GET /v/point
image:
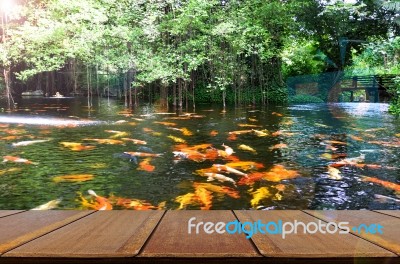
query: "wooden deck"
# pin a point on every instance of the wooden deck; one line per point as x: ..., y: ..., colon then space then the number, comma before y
x: 162, y: 236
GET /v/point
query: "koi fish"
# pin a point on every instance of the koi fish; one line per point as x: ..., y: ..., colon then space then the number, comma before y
x: 218, y: 189
x: 355, y: 138
x: 191, y: 155
x: 253, y: 119
x: 146, y: 166
x: 260, y: 133
x: 117, y: 134
x: 73, y: 178
x: 11, y: 137
x: 185, y: 200
x: 165, y: 123
x: 219, y: 177
x: 279, y: 146
x: 228, y: 169
x: 279, y: 172
x: 135, y: 204
x: 349, y: 161
x: 251, y: 178
x: 241, y: 132
x: 106, y: 141
x: 176, y: 139
x: 245, y: 165
x: 28, y: 142
x: 330, y: 156
x: 186, y: 132
x: 142, y: 154
x: 205, y: 197
x: 102, y: 203
x: 49, y: 205
x: 232, y: 137
x: 228, y: 150
x: 135, y: 141
x: 335, y: 142
x: 277, y: 114
x: 2, y: 172
x: 386, y: 184
x: 247, y: 148
x: 76, y: 146
x: 121, y: 122
x: 334, y: 173
x: 17, y: 160
x: 214, y: 133
x: 259, y: 195
x: 248, y: 125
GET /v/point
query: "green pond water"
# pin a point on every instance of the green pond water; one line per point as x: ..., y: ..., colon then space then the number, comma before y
x: 310, y: 133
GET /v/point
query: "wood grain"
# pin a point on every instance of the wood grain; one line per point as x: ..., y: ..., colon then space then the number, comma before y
x: 20, y: 228
x: 171, y: 238
x: 302, y: 245
x: 100, y: 235
x: 395, y: 213
x: 390, y: 239
x: 4, y: 213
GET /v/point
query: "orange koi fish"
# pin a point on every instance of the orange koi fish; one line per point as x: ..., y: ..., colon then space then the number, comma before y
x: 279, y: 172
x: 355, y: 138
x: 245, y: 165
x: 214, y: 133
x: 165, y: 123
x: 205, y: 197
x: 142, y: 154
x: 106, y: 141
x: 386, y: 184
x: 102, y: 202
x: 17, y: 160
x: 136, y: 204
x: 277, y: 114
x: 190, y: 154
x: 135, y: 141
x: 232, y: 137
x: 146, y: 166
x: 251, y: 178
x: 218, y: 189
x: 76, y: 146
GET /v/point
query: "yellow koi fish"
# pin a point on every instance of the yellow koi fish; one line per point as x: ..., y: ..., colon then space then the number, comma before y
x: 247, y: 148
x: 259, y: 195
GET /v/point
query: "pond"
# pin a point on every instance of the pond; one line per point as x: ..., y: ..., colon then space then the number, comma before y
x: 313, y: 156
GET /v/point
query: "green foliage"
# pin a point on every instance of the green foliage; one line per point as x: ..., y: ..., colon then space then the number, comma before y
x: 302, y: 57
x: 305, y: 98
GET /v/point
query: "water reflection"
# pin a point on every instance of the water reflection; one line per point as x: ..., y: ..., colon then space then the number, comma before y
x: 313, y: 156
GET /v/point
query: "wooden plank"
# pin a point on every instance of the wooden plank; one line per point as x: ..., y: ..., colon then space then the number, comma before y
x: 390, y: 239
x: 395, y: 213
x: 302, y: 245
x: 20, y: 228
x: 4, y: 213
x: 171, y: 238
x: 100, y: 235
